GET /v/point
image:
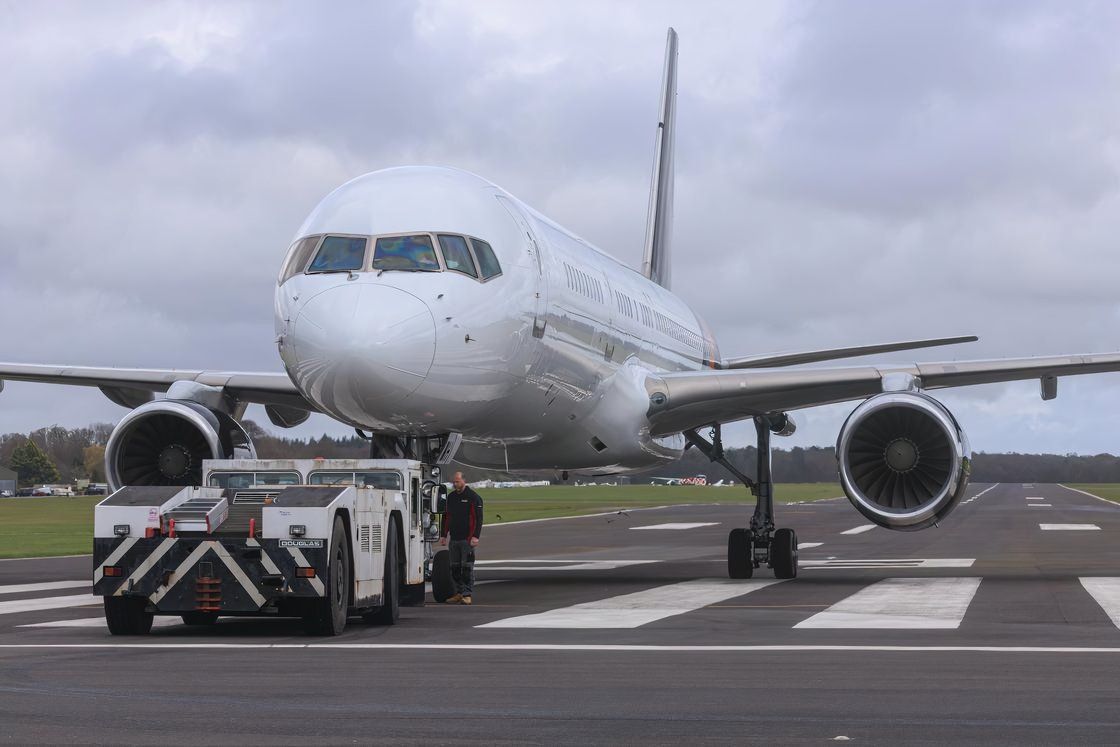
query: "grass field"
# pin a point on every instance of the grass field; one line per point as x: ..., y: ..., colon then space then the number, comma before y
x: 39, y: 527
x: 1107, y: 490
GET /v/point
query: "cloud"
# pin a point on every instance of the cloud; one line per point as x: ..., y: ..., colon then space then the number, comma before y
x: 847, y: 173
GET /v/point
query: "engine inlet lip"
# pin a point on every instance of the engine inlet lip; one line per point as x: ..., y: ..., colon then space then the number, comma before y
x: 194, y: 414
x: 925, y: 405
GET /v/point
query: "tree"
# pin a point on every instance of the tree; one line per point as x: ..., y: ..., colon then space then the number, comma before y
x: 93, y: 458
x: 32, y: 465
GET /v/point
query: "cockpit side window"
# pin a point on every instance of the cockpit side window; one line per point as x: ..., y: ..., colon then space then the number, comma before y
x: 457, y: 255
x: 340, y: 254
x: 406, y: 253
x: 298, y: 257
x: 487, y: 262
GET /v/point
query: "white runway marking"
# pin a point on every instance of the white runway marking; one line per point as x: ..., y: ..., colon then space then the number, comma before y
x: 161, y: 621
x: 859, y: 530
x: 830, y: 563
x: 1040, y: 505
x: 901, y: 603
x: 1106, y: 591
x: 1034, y: 498
x: 808, y: 545
x: 981, y: 493
x: 680, y: 525
x: 47, y: 603
x: 561, y: 647
x: 1075, y: 490
x: 557, y: 565
x: 46, y: 586
x: 49, y: 557
x: 1068, y: 527
x: 639, y: 608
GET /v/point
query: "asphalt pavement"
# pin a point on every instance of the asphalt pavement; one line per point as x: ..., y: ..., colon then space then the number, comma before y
x: 999, y: 626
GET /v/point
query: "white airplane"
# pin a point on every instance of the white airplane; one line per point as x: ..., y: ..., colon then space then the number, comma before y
x: 436, y: 311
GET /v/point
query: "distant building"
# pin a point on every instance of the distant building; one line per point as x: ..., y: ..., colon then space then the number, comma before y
x: 7, y: 480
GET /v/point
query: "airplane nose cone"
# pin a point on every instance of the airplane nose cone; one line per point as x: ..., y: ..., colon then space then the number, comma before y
x: 358, y: 344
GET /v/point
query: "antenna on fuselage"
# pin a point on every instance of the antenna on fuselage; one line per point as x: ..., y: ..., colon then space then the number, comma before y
x: 659, y: 220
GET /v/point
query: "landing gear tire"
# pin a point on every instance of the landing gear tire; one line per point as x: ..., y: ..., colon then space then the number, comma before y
x: 127, y: 616
x: 442, y: 587
x: 390, y: 610
x: 740, y: 554
x: 783, y: 553
x: 328, y: 615
x: 200, y: 618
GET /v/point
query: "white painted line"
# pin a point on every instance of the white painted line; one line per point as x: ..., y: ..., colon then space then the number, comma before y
x: 47, y: 603
x: 47, y: 557
x: 574, y: 648
x: 836, y: 563
x: 680, y: 525
x: 901, y: 603
x: 1107, y: 593
x: 557, y: 565
x: 808, y: 545
x: 589, y: 516
x: 1033, y: 498
x: 1040, y: 505
x: 1068, y: 527
x: 1114, y: 504
x: 985, y: 490
x: 160, y: 621
x: 639, y: 608
x: 859, y: 530
x: 47, y: 586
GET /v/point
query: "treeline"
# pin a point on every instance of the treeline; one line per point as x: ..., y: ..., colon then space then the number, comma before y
x: 79, y: 453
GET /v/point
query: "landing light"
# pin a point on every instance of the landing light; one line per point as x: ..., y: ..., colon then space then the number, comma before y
x: 297, y: 530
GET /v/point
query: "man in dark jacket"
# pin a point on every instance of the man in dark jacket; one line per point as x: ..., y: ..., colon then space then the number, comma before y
x: 462, y: 521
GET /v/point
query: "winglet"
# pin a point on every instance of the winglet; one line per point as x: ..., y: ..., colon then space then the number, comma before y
x: 659, y: 220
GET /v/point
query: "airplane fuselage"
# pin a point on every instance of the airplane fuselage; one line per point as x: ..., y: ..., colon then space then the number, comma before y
x: 540, y: 366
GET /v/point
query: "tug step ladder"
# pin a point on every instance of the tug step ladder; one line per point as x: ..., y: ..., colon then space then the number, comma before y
x: 199, y: 514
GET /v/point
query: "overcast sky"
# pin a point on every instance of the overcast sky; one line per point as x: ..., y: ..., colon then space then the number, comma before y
x: 847, y: 173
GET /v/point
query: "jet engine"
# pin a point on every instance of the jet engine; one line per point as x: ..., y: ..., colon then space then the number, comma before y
x: 164, y: 442
x: 904, y: 461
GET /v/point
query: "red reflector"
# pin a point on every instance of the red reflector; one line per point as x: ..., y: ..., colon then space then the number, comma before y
x: 305, y: 573
x: 112, y: 571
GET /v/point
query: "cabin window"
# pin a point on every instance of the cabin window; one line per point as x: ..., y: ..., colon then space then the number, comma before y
x: 340, y: 254
x: 237, y: 480
x: 379, y: 480
x: 457, y: 255
x: 298, y: 257
x: 412, y: 253
x: 487, y: 262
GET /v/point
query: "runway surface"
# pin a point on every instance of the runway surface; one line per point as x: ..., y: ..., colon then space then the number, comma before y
x: 1000, y: 626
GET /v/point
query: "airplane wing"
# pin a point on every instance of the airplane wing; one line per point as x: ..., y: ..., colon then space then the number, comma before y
x: 131, y: 387
x: 778, y: 360
x: 694, y: 399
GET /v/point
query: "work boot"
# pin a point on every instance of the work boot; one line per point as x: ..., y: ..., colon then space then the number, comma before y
x: 456, y: 599
x: 465, y: 600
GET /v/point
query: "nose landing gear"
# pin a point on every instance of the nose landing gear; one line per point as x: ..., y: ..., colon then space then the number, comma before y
x: 761, y: 544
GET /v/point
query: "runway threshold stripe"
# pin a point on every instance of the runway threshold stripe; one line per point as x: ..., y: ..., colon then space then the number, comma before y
x: 901, y: 603
x: 47, y: 603
x: 574, y: 648
x: 639, y: 608
x: 1068, y: 527
x: 1106, y: 592
x: 46, y: 586
x: 859, y: 530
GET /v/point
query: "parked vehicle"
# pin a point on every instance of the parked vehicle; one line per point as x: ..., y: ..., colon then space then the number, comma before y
x: 5, y: 494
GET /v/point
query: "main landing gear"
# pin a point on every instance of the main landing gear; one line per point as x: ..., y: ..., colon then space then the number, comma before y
x: 761, y: 544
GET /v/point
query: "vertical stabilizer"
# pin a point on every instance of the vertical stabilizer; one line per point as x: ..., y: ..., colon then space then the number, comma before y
x: 659, y: 221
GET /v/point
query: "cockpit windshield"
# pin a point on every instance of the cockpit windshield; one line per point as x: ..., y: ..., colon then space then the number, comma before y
x: 406, y: 253
x: 340, y: 254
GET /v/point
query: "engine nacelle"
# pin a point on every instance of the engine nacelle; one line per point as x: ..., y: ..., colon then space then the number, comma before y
x: 164, y: 442
x: 904, y: 461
